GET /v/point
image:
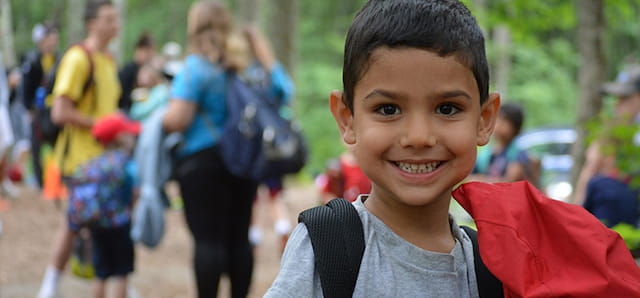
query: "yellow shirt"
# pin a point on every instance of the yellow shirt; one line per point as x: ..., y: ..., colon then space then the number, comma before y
x: 76, y: 145
x: 47, y: 61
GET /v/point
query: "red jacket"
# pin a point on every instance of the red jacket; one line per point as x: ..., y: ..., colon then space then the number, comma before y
x: 540, y: 247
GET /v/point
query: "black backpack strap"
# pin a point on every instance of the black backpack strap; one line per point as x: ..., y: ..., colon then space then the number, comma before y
x: 337, y: 238
x: 488, y: 285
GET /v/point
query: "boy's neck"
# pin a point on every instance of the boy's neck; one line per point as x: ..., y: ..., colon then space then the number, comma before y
x: 426, y: 227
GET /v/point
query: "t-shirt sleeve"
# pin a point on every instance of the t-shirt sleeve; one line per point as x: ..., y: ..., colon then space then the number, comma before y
x: 186, y: 85
x: 72, y: 74
x: 281, y: 84
x: 297, y: 276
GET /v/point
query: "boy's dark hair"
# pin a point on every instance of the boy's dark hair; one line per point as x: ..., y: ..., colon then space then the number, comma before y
x: 445, y: 27
x: 92, y: 8
x: 514, y: 113
x: 144, y: 41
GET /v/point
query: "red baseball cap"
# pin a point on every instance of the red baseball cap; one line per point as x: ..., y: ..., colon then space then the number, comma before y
x: 107, y: 128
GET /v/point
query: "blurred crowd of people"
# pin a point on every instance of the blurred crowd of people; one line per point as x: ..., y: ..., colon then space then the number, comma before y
x: 113, y: 118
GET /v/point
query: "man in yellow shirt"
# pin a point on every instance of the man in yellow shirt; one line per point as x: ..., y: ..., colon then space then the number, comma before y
x: 77, y: 109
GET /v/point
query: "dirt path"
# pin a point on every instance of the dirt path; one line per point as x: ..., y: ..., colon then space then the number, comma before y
x: 30, y: 224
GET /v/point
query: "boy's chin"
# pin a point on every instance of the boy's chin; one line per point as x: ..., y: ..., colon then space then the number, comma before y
x: 424, y: 197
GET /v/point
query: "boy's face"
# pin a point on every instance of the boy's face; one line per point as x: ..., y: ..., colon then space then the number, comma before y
x: 415, y: 124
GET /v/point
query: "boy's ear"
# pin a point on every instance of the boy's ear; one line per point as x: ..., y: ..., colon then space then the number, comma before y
x: 343, y: 116
x: 488, y: 115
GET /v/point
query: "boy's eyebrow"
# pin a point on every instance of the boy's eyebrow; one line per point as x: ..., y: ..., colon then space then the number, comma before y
x: 455, y: 93
x: 383, y: 93
x: 394, y: 95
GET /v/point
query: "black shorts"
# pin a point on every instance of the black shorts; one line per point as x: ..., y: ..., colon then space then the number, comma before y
x: 112, y: 251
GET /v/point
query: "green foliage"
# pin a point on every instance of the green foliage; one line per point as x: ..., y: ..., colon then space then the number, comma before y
x: 545, y: 77
x: 629, y: 234
x: 321, y: 34
x: 315, y: 83
x: 617, y: 139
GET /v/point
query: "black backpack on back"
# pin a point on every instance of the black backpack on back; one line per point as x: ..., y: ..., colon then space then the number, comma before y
x: 337, y: 237
x: 47, y: 130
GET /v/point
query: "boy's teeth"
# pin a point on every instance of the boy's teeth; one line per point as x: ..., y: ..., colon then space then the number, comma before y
x: 418, y: 168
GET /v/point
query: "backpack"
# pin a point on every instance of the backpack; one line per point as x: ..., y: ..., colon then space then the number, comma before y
x: 337, y: 238
x: 100, y: 191
x: 257, y: 140
x: 47, y: 130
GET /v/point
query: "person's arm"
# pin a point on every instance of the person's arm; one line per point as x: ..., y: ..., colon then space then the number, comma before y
x: 515, y: 172
x: 261, y: 48
x: 64, y: 112
x: 182, y: 106
x: 179, y: 115
x: 68, y: 90
x: 593, y: 161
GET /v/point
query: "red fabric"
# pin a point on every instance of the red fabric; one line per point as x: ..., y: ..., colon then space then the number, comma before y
x: 347, y: 182
x: 107, y: 128
x: 355, y: 181
x: 540, y: 247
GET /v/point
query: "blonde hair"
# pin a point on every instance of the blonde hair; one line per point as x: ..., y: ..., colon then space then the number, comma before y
x: 238, y: 53
x: 208, y: 25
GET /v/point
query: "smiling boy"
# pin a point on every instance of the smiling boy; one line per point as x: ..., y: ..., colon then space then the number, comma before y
x: 416, y: 105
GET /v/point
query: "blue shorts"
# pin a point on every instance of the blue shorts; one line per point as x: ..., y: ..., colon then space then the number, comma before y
x: 112, y: 251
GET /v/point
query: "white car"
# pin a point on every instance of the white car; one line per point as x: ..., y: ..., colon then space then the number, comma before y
x: 552, y: 146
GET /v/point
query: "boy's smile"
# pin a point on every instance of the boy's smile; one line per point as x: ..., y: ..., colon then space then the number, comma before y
x: 415, y: 125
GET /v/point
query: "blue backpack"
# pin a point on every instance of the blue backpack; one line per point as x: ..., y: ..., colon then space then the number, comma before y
x: 259, y: 140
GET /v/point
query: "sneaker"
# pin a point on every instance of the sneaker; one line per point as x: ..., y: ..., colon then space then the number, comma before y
x: 47, y: 292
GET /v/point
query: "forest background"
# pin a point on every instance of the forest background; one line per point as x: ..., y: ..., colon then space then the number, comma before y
x: 549, y: 55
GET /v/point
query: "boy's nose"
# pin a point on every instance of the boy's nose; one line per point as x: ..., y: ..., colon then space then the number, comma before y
x: 419, y: 133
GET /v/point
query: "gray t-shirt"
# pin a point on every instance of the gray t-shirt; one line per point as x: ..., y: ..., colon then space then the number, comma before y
x: 391, y: 266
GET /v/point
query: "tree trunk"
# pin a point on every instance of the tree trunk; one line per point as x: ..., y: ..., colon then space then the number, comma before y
x: 590, y: 76
x: 502, y: 42
x: 248, y: 11
x: 75, y: 21
x: 284, y: 18
x: 6, y: 35
x: 116, y: 45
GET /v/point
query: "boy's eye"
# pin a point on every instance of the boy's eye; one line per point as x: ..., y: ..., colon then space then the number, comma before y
x: 447, y: 109
x: 388, y: 110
